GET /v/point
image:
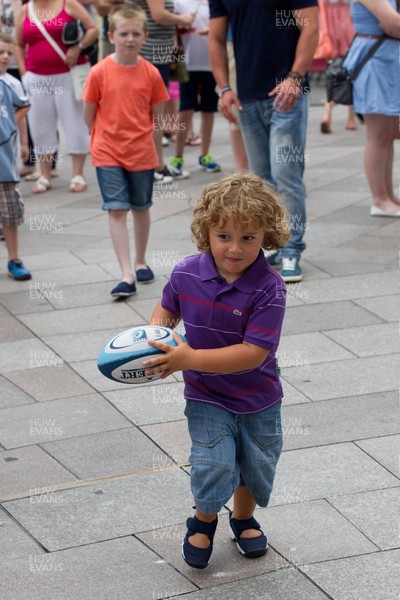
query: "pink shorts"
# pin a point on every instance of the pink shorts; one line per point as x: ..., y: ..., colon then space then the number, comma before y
x: 173, y: 90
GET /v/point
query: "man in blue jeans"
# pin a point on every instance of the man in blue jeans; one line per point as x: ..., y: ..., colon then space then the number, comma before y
x: 274, y: 41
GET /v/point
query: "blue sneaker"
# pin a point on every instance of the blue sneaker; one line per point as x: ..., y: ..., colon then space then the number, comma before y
x: 17, y: 270
x: 207, y: 163
x: 274, y: 260
x: 176, y: 168
x: 123, y: 289
x: 291, y: 270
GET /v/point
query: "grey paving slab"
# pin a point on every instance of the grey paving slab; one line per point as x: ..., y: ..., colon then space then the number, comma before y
x: 284, y: 584
x: 375, y: 513
x: 305, y: 349
x: 386, y: 307
x: 327, y: 471
x: 346, y: 377
x: 48, y: 382
x: 352, y: 287
x: 47, y: 421
x: 330, y: 201
x: 340, y: 420
x: 109, y: 453
x: 371, y: 576
x: 106, y: 510
x: 30, y: 470
x: 342, y: 268
x: 52, y: 260
x: 172, y: 437
x: 89, y: 294
x: 149, y: 405
x: 291, y: 395
x: 23, y: 354
x: 385, y: 450
x: 11, y: 395
x: 19, y: 304
x: 99, y: 227
x: 74, y: 347
x: 298, y: 532
x: 14, y: 543
x: 11, y: 329
x: 71, y: 276
x: 122, y: 568
x: 333, y: 315
x: 369, y: 340
x: 361, y: 249
x: 323, y: 235
x: 226, y: 563
x: 88, y: 318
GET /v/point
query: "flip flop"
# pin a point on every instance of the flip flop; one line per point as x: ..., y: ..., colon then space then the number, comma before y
x: 78, y: 184
x: 41, y: 186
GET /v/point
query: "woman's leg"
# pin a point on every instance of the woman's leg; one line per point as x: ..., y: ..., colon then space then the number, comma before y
x: 378, y: 157
x: 351, y: 120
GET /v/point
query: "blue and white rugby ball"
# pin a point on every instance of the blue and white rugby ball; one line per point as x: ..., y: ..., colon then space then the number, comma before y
x: 122, y: 358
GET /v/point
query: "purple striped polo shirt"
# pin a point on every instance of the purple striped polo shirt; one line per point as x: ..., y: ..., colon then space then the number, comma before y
x: 217, y: 314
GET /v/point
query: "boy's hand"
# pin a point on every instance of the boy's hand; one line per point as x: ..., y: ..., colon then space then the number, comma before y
x: 176, y: 358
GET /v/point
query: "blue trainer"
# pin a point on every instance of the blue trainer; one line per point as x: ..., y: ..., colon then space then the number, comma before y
x: 17, y: 270
x: 291, y: 270
x: 274, y: 260
x: 208, y: 163
x: 123, y: 289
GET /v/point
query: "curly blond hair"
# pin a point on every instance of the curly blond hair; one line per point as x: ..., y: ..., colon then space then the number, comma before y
x: 246, y: 198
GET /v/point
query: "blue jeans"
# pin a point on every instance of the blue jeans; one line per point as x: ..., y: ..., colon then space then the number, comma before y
x: 275, y: 145
x: 231, y: 450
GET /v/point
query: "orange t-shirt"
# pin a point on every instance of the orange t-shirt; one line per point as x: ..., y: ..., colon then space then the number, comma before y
x: 122, y: 133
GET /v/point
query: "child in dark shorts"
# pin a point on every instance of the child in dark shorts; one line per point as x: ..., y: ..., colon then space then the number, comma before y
x: 232, y: 305
x: 13, y: 108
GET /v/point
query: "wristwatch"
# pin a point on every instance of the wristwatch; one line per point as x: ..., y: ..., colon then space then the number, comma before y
x: 297, y: 77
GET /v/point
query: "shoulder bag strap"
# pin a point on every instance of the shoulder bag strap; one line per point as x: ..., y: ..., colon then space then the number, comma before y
x: 44, y: 32
x: 366, y: 58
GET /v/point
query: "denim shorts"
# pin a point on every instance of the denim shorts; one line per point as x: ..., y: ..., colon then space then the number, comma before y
x: 231, y: 450
x: 125, y: 190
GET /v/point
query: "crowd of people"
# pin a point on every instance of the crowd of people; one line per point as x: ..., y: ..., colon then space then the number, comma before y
x: 260, y: 68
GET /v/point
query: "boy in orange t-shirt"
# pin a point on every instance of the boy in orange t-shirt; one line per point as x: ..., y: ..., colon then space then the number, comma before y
x: 123, y: 93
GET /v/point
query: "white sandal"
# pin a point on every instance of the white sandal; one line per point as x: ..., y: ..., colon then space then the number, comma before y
x: 78, y: 180
x: 42, y: 185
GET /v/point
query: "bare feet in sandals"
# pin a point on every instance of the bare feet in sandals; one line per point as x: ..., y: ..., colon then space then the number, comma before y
x: 78, y: 184
x: 41, y: 186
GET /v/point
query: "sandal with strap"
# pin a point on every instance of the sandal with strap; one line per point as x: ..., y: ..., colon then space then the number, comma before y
x: 249, y: 547
x: 195, y: 557
x: 41, y: 186
x: 78, y: 184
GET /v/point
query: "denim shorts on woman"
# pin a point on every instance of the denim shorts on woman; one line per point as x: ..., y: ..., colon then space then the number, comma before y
x: 125, y: 190
x: 231, y: 450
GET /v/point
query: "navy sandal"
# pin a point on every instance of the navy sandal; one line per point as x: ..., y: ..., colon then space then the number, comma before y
x: 198, y: 558
x: 249, y: 547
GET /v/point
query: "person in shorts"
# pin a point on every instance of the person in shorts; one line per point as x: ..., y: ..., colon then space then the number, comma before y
x: 232, y: 304
x: 13, y: 109
x: 198, y: 93
x: 123, y: 94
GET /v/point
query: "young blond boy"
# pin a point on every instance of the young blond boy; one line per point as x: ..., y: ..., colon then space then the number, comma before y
x: 123, y: 94
x: 14, y: 106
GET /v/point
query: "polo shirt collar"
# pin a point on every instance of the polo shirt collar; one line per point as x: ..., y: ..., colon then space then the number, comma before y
x: 247, y: 283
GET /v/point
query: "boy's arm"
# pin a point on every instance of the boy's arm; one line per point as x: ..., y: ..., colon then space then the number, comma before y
x: 232, y: 359
x: 21, y: 113
x: 163, y: 317
x: 89, y: 114
x: 23, y: 136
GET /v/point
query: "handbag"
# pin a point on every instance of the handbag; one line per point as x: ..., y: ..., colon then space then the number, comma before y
x: 338, y: 80
x: 73, y: 32
x: 325, y: 48
x: 178, y: 70
x: 79, y: 73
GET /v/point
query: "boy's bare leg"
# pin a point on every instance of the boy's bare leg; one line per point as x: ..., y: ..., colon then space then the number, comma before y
x: 120, y: 239
x: 243, y: 508
x: 11, y: 236
x: 200, y: 540
x: 184, y: 118
x: 141, y: 229
x: 239, y: 151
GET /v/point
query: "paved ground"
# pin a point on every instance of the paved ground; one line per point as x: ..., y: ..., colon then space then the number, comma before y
x: 94, y: 476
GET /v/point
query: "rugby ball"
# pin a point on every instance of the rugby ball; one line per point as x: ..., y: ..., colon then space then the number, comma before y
x: 122, y: 358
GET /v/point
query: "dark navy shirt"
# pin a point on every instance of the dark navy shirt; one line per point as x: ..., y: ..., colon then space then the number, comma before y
x: 217, y: 314
x: 265, y: 37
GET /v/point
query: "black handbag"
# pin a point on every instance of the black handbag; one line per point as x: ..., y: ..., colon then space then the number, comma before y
x: 339, y: 82
x: 73, y: 32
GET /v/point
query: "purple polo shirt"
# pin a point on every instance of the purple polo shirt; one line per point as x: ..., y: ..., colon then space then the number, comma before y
x: 217, y: 314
